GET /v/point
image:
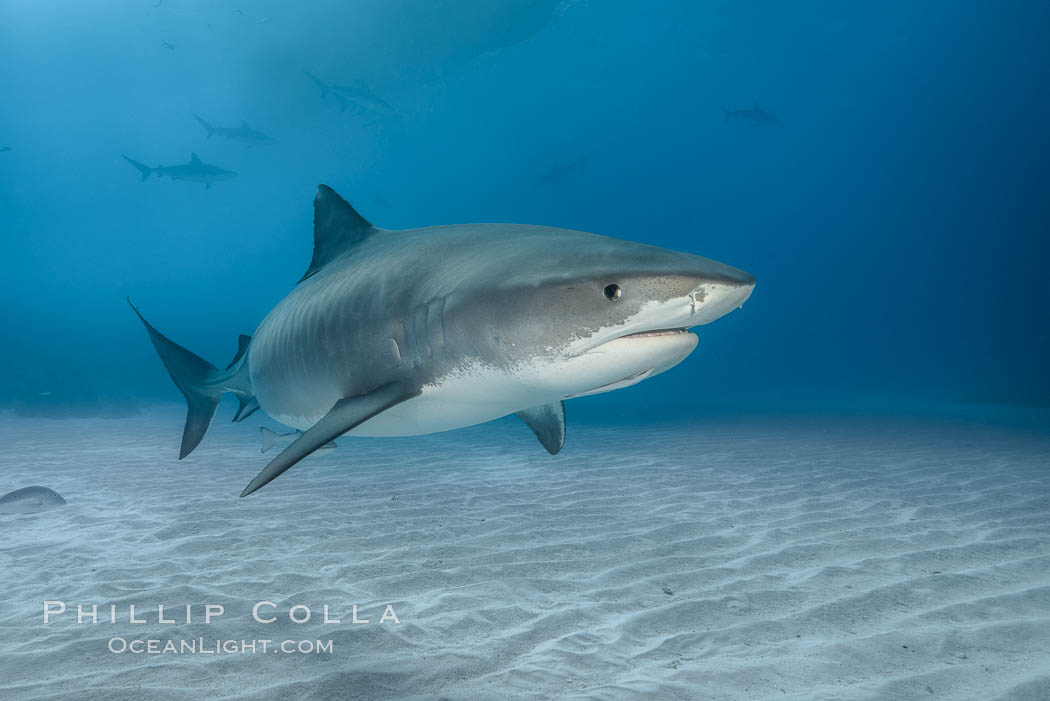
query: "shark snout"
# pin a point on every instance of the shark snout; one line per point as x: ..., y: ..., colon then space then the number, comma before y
x: 716, y: 295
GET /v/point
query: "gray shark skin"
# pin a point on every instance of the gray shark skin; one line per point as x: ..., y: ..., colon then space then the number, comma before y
x: 30, y: 500
x: 396, y: 333
x: 755, y: 115
x: 242, y: 134
x: 196, y: 171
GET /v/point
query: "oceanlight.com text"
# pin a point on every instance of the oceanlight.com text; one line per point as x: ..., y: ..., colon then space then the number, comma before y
x: 202, y: 646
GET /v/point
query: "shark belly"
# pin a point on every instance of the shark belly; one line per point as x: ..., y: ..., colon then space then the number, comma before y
x: 456, y: 401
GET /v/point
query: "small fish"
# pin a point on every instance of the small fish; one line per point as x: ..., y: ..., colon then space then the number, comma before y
x: 4, y: 148
x: 264, y: 20
x: 272, y: 438
x: 169, y: 47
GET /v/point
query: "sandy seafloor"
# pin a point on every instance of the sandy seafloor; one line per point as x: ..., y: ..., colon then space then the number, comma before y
x: 801, y: 557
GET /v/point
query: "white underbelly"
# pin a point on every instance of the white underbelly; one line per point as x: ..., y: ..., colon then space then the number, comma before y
x: 476, y: 394
x: 452, y: 403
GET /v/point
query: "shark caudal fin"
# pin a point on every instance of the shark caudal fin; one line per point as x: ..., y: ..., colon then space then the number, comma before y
x: 726, y: 112
x: 200, y: 382
x: 207, y: 127
x: 142, y: 168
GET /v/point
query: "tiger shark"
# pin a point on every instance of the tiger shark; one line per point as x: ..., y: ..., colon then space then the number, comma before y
x: 408, y: 332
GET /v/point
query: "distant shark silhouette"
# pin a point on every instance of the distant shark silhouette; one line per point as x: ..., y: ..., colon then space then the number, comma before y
x: 196, y: 171
x: 4, y: 148
x: 561, y: 173
x: 169, y: 47
x: 358, y: 95
x: 398, y: 333
x: 755, y: 115
x: 242, y: 134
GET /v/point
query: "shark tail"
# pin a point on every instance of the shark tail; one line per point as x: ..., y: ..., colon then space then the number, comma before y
x: 320, y: 83
x: 726, y: 112
x: 207, y: 127
x: 142, y: 167
x: 200, y: 382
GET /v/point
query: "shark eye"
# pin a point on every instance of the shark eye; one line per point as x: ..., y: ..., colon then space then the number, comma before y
x: 613, y: 292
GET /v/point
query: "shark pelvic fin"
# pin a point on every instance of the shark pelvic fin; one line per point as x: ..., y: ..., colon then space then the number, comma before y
x: 269, y: 438
x: 337, y: 228
x: 343, y: 416
x: 548, y: 423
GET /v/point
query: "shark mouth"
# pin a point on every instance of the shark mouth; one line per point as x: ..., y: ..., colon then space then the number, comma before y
x: 657, y: 332
x: 619, y: 384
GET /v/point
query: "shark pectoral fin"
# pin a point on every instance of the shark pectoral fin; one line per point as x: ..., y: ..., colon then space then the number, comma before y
x: 548, y: 423
x: 345, y: 415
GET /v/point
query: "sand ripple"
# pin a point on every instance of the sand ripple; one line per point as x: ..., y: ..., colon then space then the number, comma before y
x: 723, y: 559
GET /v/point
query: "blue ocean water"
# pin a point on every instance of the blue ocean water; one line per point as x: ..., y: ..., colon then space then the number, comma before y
x: 840, y: 494
x: 895, y: 216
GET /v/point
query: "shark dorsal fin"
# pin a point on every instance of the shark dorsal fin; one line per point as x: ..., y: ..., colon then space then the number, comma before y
x: 244, y: 124
x: 338, y: 228
x: 757, y: 108
x: 194, y: 160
